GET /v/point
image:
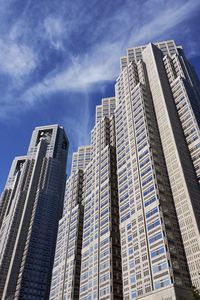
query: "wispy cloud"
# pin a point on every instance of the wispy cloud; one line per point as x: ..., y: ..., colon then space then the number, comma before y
x: 16, y: 59
x: 77, y: 125
x: 56, y: 58
x: 82, y: 74
x: 101, y: 61
x: 55, y: 29
x: 161, y: 17
x: 85, y: 39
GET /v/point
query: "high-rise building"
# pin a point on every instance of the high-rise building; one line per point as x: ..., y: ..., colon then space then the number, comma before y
x: 106, y: 108
x: 87, y: 261
x: 101, y: 276
x: 137, y: 198
x: 30, y: 208
x: 156, y: 134
x: 66, y: 271
x: 81, y: 158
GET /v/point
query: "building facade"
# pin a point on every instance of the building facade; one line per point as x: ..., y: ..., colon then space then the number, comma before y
x: 101, y: 276
x: 66, y: 271
x: 31, y: 207
x: 87, y: 262
x: 157, y: 183
x: 131, y: 227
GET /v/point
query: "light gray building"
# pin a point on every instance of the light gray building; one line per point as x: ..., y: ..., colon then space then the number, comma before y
x: 157, y: 141
x: 66, y: 271
x: 87, y: 261
x: 31, y: 206
x: 81, y: 158
x: 101, y: 276
x: 137, y: 197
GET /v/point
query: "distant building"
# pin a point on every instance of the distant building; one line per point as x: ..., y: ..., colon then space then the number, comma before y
x: 30, y: 209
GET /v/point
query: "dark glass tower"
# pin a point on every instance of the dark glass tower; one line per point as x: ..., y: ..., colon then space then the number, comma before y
x: 31, y: 207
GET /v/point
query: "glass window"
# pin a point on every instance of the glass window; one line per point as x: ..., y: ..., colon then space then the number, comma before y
x: 161, y: 266
x: 155, y: 237
x: 149, y: 201
x: 130, y: 251
x: 151, y: 212
x: 133, y: 295
x: 153, y: 225
x: 162, y: 283
x: 130, y: 238
x: 157, y: 251
x: 132, y: 279
x: 149, y: 190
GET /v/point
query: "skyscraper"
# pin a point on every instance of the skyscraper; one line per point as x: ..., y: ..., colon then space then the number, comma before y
x: 31, y: 207
x: 66, y: 271
x: 157, y: 182
x: 101, y: 276
x: 87, y: 261
x: 138, y: 194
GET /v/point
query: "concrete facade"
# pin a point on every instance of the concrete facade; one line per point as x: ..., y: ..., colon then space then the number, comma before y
x: 136, y: 189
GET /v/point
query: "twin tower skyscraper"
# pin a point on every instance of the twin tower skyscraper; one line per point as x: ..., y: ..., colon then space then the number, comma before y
x: 129, y: 227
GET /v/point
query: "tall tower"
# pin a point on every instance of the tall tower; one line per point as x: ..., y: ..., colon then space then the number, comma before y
x: 31, y: 207
x: 87, y: 262
x: 157, y: 141
x: 131, y: 225
x: 67, y: 262
x: 101, y: 260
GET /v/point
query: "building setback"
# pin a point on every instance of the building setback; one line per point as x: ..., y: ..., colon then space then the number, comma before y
x: 31, y: 206
x: 66, y: 271
x: 131, y: 225
x: 87, y: 261
x: 140, y: 179
x: 101, y: 276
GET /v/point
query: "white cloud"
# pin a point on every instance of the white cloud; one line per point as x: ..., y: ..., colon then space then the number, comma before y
x: 133, y: 24
x: 163, y: 18
x: 101, y: 62
x: 55, y: 29
x: 82, y: 74
x: 15, y: 59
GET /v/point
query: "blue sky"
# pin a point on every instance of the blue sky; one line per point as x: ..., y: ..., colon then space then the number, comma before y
x: 59, y: 58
